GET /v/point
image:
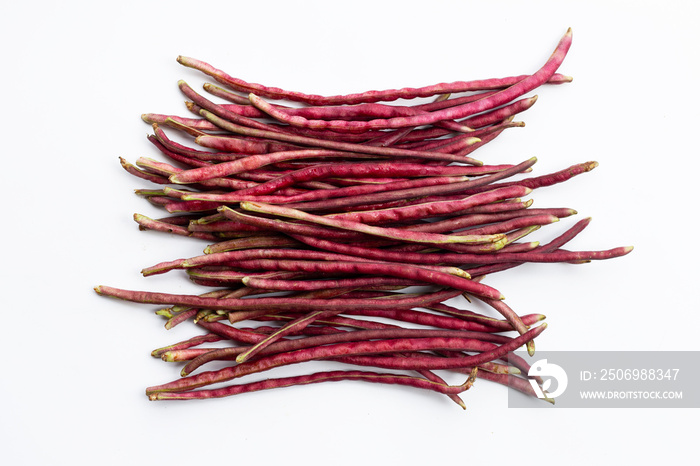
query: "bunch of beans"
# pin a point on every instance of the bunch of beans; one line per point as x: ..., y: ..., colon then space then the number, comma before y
x: 349, y: 229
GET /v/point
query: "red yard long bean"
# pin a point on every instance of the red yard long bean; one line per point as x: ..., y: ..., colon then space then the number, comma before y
x: 168, y: 147
x: 337, y: 337
x: 307, y: 283
x: 486, y: 352
x: 321, y: 195
x: 326, y: 376
x: 384, y: 232
x: 427, y: 209
x: 196, y: 123
x: 553, y: 245
x: 147, y: 223
x: 460, y: 258
x: 350, y: 229
x: 270, y: 224
x: 237, y: 257
x: 405, y: 271
x: 361, y: 149
x: 220, y: 111
x: 388, y: 196
x: 360, y: 170
x: 369, y: 96
x: 461, y: 111
x: 284, y: 303
x: 194, y: 341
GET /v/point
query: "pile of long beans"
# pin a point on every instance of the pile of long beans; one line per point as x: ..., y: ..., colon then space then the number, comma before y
x: 349, y: 229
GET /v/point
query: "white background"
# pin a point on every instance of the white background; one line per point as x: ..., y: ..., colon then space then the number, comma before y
x: 77, y: 75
